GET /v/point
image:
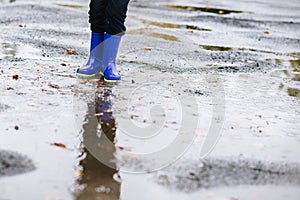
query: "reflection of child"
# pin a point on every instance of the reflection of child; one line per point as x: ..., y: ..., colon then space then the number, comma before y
x: 107, y: 19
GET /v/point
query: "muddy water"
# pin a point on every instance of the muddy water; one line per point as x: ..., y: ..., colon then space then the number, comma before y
x: 239, y: 61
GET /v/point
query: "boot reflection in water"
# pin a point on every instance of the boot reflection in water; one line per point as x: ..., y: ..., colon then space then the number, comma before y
x: 107, y: 19
x: 98, y: 180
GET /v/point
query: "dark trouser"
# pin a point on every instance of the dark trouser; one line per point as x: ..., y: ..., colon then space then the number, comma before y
x: 108, y: 16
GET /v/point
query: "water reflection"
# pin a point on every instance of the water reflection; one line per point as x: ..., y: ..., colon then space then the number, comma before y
x: 216, y: 48
x: 206, y: 9
x: 97, y: 180
x: 290, y: 75
x: 293, y: 92
x: 7, y: 1
x: 295, y: 63
x: 173, y: 25
x: 8, y: 50
x: 70, y: 5
x: 151, y: 33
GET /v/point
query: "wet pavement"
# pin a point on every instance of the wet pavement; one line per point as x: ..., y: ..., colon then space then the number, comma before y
x: 190, y: 71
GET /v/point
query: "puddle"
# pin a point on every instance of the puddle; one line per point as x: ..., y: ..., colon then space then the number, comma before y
x: 295, y: 64
x: 290, y: 76
x: 150, y: 33
x: 70, y: 6
x: 99, y: 177
x: 8, y: 50
x: 222, y: 48
x: 206, y: 9
x: 171, y: 25
x: 13, y: 50
x: 216, y: 48
x: 293, y: 92
x: 7, y: 1
x: 293, y: 73
x: 163, y: 36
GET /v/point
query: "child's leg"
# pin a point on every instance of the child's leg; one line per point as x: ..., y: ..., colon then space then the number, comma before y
x: 97, y: 15
x: 116, y: 14
x: 98, y: 22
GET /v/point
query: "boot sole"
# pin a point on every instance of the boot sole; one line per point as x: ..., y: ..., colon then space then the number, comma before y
x: 107, y: 80
x: 110, y: 81
x: 85, y: 75
x: 93, y: 75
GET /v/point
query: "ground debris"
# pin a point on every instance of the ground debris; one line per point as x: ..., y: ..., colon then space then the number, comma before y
x: 53, y: 86
x: 15, y: 77
x: 61, y: 145
x: 70, y: 51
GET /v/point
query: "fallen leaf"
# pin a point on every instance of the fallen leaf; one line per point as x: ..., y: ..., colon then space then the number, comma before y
x: 95, y: 80
x: 53, y: 85
x: 147, y: 48
x: 70, y: 51
x: 121, y: 148
x: 124, y: 148
x: 15, y: 77
x: 79, y: 173
x: 59, y: 145
x: 20, y: 25
x: 83, y: 82
x: 266, y: 32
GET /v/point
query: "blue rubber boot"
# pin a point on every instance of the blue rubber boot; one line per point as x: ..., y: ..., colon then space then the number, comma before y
x: 111, y: 46
x: 95, y: 62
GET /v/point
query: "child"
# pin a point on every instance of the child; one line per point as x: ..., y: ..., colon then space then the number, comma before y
x: 107, y: 18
